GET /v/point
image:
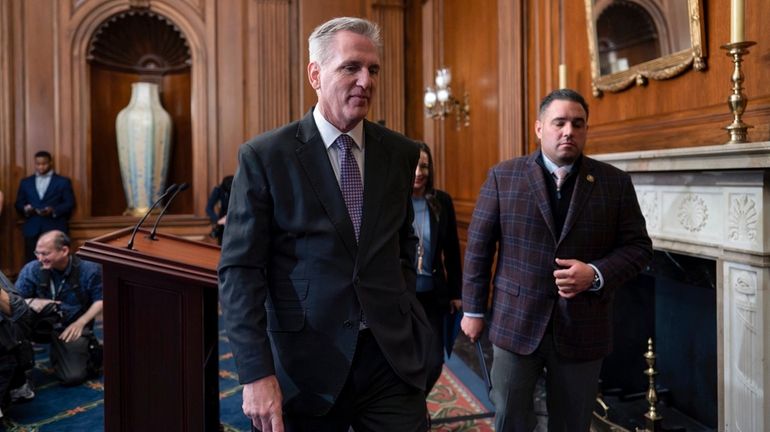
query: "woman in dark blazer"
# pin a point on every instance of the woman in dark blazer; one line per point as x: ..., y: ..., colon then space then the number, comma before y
x: 439, y: 272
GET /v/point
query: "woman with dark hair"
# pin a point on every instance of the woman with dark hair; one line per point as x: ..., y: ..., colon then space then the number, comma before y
x: 220, y: 196
x: 439, y: 273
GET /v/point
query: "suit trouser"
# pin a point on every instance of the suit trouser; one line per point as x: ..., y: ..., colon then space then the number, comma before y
x: 435, y: 314
x: 571, y: 388
x: 70, y: 359
x: 8, y: 370
x: 30, y: 244
x: 373, y: 399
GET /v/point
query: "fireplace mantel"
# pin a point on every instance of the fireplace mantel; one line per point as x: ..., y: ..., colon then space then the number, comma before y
x: 714, y: 202
x: 717, y: 157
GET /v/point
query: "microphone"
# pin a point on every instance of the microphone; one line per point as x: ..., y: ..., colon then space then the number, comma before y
x: 170, y: 189
x: 181, y: 187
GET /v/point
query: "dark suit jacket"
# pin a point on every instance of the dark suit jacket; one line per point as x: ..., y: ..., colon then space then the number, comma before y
x: 293, y: 280
x: 59, y: 196
x: 446, y: 267
x: 604, y: 226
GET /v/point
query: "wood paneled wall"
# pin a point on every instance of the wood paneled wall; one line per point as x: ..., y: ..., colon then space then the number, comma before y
x: 7, y: 130
x: 687, y: 110
x: 248, y: 76
x: 471, y: 50
x: 480, y: 42
x: 513, y: 47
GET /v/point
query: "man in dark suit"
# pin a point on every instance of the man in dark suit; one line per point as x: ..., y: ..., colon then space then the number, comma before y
x: 46, y: 200
x: 317, y: 279
x: 568, y: 231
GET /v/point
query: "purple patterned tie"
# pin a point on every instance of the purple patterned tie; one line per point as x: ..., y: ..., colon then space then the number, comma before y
x: 350, y: 181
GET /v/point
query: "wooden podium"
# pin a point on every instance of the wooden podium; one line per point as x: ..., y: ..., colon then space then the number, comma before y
x: 161, y: 357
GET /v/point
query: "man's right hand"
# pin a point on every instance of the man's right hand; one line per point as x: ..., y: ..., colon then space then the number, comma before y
x: 262, y: 403
x: 472, y: 327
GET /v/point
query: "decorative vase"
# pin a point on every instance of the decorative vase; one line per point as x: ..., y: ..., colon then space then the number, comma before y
x: 144, y: 145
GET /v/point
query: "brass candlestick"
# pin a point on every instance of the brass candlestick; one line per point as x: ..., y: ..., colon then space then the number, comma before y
x: 653, y: 419
x: 737, y: 100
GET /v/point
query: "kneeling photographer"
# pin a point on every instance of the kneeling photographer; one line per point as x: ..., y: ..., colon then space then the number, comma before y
x: 66, y: 294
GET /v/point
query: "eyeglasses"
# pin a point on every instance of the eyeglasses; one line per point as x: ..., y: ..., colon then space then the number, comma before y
x: 43, y: 254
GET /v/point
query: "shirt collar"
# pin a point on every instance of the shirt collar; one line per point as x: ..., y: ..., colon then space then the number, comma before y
x: 551, y: 166
x: 63, y: 273
x: 329, y: 132
x: 49, y: 174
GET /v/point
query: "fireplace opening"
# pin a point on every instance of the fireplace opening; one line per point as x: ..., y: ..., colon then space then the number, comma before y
x: 674, y: 301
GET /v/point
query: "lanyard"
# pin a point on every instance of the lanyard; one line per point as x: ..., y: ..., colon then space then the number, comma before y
x: 54, y: 289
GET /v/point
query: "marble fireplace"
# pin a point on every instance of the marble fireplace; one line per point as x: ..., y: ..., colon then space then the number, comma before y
x: 714, y: 202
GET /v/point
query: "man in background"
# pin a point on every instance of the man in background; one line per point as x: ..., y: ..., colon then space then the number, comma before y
x: 317, y: 277
x: 568, y: 231
x: 75, y: 287
x: 216, y: 207
x: 46, y: 200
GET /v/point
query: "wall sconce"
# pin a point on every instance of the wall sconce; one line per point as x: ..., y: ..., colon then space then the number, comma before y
x: 439, y: 102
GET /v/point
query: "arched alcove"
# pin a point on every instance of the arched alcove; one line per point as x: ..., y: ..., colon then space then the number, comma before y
x: 131, y: 46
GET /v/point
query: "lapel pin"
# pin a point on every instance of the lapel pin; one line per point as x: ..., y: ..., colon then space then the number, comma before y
x: 590, y: 178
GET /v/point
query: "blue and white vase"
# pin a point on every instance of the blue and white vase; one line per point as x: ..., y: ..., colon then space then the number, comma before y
x: 144, y: 146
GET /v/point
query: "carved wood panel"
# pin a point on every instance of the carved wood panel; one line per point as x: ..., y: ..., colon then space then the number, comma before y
x: 688, y: 110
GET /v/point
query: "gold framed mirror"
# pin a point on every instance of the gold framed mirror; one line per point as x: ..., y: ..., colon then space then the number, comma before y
x: 632, y: 41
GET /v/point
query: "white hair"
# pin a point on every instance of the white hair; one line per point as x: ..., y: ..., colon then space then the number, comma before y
x: 321, y: 38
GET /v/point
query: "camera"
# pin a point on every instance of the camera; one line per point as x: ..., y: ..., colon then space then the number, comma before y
x: 46, y: 322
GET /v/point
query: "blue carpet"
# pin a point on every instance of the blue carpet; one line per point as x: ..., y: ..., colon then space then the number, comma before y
x: 81, y: 408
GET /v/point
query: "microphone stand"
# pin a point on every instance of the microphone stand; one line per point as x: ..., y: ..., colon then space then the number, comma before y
x: 170, y: 189
x: 181, y: 187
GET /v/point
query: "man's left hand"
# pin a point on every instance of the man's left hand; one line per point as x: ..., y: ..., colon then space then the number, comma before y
x: 572, y: 277
x: 72, y: 332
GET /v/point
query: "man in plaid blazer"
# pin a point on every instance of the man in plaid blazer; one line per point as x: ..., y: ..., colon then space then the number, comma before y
x: 563, y: 246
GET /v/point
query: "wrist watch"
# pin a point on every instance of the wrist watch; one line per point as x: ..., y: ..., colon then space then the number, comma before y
x: 597, y: 281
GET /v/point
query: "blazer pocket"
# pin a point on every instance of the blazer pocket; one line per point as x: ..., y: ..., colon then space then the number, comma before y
x: 507, y: 286
x: 285, y: 320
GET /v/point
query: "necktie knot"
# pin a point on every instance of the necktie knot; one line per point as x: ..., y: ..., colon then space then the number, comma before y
x: 561, y: 174
x: 345, y: 143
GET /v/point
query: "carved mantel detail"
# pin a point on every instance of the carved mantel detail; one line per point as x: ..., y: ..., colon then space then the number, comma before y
x: 693, y: 213
x: 744, y: 218
x: 715, y: 202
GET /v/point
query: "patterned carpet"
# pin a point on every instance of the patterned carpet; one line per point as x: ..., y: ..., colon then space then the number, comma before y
x: 459, y: 392
x: 450, y: 398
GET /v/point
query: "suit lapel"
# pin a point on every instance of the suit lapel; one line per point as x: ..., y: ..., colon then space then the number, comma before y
x: 584, y: 184
x: 376, y: 165
x: 539, y: 188
x: 314, y: 160
x: 49, y: 190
